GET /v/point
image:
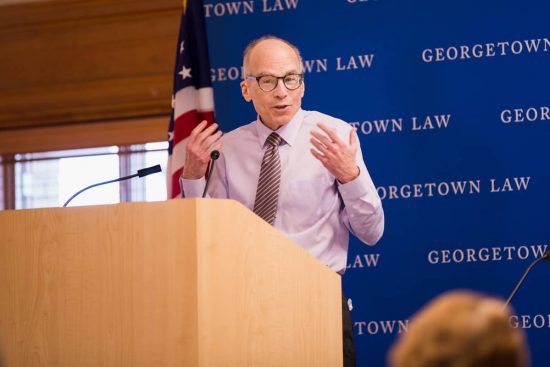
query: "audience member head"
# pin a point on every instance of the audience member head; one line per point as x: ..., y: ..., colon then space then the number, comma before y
x: 461, y: 329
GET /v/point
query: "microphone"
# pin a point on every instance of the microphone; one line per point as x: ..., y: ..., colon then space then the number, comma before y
x: 145, y: 171
x: 545, y: 256
x: 141, y: 173
x: 213, y: 156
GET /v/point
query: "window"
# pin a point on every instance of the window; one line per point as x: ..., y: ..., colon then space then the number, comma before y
x: 152, y: 187
x: 50, y: 179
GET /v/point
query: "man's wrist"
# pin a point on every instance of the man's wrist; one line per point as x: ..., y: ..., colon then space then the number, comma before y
x: 190, y: 173
x: 350, y: 177
x: 191, y: 177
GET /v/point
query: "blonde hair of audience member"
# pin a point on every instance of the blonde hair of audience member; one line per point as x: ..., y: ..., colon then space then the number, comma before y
x: 461, y: 329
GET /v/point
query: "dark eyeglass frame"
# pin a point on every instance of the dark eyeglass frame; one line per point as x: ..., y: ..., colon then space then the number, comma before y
x: 257, y: 78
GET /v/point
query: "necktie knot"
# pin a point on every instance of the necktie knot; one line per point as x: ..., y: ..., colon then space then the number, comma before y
x: 274, y: 140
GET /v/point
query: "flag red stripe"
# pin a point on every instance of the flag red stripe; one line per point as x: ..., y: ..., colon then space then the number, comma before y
x: 186, y: 122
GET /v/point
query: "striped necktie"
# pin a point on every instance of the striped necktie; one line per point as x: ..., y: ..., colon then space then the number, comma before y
x: 267, y: 193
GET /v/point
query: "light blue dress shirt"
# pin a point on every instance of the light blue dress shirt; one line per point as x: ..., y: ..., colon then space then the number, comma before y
x: 314, y: 209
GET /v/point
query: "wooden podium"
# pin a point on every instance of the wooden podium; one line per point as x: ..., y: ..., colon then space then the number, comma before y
x: 195, y: 282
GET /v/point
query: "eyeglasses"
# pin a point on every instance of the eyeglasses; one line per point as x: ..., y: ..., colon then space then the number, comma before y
x: 269, y: 82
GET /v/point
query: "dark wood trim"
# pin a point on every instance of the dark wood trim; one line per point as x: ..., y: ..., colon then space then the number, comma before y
x: 75, y: 136
x: 74, y: 61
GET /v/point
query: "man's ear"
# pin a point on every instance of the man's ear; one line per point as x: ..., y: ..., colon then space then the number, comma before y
x: 303, y: 89
x: 245, y: 92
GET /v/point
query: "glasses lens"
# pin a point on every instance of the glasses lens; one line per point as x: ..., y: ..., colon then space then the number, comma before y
x: 292, y: 81
x: 267, y: 83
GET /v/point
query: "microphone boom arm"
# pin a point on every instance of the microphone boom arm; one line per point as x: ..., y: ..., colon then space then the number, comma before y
x: 545, y: 256
x: 141, y: 173
x: 98, y: 184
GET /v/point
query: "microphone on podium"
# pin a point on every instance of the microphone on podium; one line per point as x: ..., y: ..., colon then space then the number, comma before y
x: 545, y: 256
x: 141, y: 173
x: 213, y: 156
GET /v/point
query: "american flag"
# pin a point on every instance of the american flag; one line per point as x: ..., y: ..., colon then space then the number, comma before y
x: 193, y: 97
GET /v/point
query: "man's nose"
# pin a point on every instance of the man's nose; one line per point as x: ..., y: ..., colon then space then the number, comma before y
x: 280, y: 90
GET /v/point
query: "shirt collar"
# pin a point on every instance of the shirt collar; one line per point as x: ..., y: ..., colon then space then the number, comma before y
x: 288, y: 131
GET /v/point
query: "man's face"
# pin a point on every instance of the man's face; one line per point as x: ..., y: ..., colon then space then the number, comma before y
x: 277, y: 107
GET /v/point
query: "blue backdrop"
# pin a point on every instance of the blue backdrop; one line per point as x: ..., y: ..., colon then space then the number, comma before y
x: 452, y: 108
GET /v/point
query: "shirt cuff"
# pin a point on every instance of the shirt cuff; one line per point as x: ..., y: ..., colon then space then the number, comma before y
x: 356, y: 188
x: 192, y: 188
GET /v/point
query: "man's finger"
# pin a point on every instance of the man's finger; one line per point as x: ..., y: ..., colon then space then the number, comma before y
x: 331, y: 134
x: 322, y: 138
x: 208, y: 131
x: 322, y: 148
x: 217, y: 146
x: 209, y: 140
x: 318, y: 155
x: 199, y: 128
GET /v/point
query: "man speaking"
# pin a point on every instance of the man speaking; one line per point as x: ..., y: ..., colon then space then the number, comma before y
x: 301, y: 171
